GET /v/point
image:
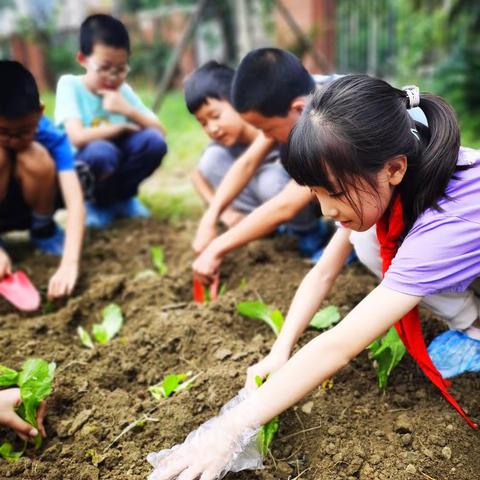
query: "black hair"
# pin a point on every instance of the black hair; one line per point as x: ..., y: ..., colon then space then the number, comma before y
x: 105, y: 30
x: 211, y: 80
x: 357, y: 123
x: 268, y: 80
x: 18, y: 90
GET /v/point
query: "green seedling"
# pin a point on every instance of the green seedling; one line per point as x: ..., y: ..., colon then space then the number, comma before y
x: 386, y: 352
x: 85, y: 337
x: 260, y: 311
x: 112, y: 321
x: 268, y: 431
x: 326, y: 317
x: 35, y: 381
x: 172, y: 383
x: 158, y: 259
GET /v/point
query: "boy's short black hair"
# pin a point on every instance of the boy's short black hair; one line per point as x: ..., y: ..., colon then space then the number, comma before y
x: 211, y: 80
x: 267, y: 80
x: 18, y: 90
x: 105, y: 30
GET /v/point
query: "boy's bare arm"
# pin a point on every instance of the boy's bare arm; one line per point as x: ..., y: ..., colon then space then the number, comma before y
x: 64, y: 279
x: 240, y: 173
x: 80, y: 136
x: 232, y: 184
x: 263, y: 220
x: 113, y: 101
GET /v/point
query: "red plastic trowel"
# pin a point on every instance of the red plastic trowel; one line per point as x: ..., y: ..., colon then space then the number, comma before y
x: 202, y: 293
x: 20, y: 291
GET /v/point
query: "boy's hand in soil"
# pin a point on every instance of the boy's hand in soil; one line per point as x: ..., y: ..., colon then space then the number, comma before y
x: 10, y: 399
x: 265, y: 367
x: 5, y: 264
x: 206, y: 232
x: 63, y: 280
x: 207, y: 264
x: 222, y: 444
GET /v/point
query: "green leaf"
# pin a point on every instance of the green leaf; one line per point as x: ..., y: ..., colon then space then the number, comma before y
x: 35, y: 381
x: 258, y: 380
x: 326, y: 317
x: 8, y: 377
x: 111, y: 324
x: 277, y: 320
x: 169, y: 384
x: 259, y: 311
x: 6, y: 451
x: 112, y: 319
x: 172, y: 383
x: 266, y: 435
x: 158, y: 259
x: 387, y: 352
x: 85, y: 337
x: 100, y: 333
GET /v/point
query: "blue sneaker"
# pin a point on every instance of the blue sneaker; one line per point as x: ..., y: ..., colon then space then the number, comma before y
x: 131, y: 208
x: 99, y: 217
x: 51, y: 245
x: 454, y: 352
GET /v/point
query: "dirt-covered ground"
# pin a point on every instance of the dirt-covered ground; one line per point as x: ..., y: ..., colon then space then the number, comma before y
x: 350, y: 431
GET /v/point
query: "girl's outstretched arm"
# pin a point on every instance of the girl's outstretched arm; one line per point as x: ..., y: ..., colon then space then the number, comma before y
x: 329, y: 352
x: 214, y: 448
x: 307, y: 300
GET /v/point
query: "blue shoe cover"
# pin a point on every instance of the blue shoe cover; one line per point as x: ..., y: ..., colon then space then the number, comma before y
x: 52, y: 245
x: 131, y: 208
x: 454, y: 352
x: 99, y: 216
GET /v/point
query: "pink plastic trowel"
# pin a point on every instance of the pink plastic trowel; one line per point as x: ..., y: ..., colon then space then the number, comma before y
x: 20, y: 291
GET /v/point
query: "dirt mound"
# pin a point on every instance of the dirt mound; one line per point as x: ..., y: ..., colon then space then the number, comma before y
x: 350, y: 431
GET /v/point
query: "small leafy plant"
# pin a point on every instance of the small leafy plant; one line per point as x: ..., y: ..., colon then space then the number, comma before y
x: 35, y: 381
x: 112, y: 321
x: 386, y: 351
x: 268, y: 431
x: 172, y: 383
x: 158, y: 259
x: 326, y: 317
x: 260, y: 311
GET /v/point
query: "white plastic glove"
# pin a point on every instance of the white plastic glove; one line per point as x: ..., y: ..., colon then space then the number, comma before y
x: 222, y: 444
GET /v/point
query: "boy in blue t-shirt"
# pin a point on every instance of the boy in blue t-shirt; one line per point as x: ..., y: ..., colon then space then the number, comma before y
x: 118, y: 141
x: 36, y: 159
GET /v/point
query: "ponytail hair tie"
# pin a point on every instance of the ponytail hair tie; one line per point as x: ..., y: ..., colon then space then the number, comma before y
x: 413, y: 96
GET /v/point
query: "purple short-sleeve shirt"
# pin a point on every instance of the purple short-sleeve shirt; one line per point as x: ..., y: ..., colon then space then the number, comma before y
x: 441, y: 252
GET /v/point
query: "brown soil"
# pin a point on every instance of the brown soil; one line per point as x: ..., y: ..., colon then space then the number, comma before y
x: 350, y: 431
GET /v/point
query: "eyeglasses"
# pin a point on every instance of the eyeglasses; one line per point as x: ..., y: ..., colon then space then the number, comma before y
x: 110, y: 71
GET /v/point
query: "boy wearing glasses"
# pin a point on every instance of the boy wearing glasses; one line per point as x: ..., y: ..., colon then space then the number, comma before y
x: 119, y: 142
x: 36, y: 165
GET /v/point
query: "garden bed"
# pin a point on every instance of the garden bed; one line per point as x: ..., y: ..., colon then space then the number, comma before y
x: 351, y: 430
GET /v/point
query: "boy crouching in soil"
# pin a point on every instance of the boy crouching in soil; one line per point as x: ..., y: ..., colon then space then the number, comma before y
x: 35, y: 161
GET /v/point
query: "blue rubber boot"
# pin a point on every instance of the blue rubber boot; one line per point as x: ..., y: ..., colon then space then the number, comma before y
x: 454, y: 352
x: 131, y: 208
x: 99, y: 217
x: 52, y: 244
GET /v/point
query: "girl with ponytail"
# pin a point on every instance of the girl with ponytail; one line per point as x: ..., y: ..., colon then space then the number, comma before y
x: 408, y: 197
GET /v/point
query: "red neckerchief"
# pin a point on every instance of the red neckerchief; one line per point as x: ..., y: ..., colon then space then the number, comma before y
x: 389, y: 230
